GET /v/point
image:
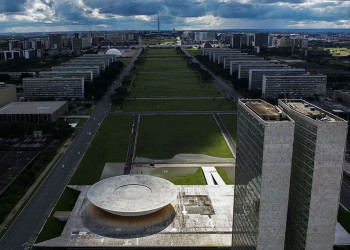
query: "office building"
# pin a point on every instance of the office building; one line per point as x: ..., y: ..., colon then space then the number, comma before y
x: 112, y: 58
x: 263, y: 167
x: 261, y: 39
x: 33, y: 112
x: 96, y: 59
x: 243, y: 68
x: 227, y: 60
x: 317, y: 166
x: 58, y: 88
x: 221, y: 58
x: 95, y: 69
x: 206, y: 51
x: 297, y: 86
x: 256, y: 75
x: 100, y: 64
x: 87, y: 75
x: 239, y: 41
x: 342, y: 96
x: 55, y: 41
x: 215, y: 55
x: 233, y: 63
x: 7, y: 93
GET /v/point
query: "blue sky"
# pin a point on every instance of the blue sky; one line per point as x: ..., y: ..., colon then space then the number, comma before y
x: 68, y: 15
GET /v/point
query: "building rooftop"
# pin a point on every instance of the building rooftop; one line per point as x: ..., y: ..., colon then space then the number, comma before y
x: 199, y: 216
x: 265, y: 110
x: 310, y: 110
x: 5, y: 86
x: 31, y: 108
x: 132, y: 195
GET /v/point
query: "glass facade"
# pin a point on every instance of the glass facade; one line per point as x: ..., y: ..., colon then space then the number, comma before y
x: 247, y: 181
x: 301, y: 183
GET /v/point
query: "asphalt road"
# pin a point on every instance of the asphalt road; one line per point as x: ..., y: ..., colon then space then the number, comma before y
x: 132, y: 144
x: 24, y: 230
x: 230, y: 92
x: 226, y: 134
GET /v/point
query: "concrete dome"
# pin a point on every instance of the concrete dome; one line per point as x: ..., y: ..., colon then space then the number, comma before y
x: 132, y: 195
x: 114, y: 52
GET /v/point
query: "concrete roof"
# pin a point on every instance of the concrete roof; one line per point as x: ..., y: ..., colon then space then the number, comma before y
x: 132, y: 195
x: 31, y: 108
x: 201, y: 216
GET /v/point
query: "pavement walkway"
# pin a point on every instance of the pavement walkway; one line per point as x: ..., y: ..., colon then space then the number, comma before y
x: 212, y: 177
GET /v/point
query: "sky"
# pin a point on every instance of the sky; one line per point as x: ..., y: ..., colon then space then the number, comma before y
x: 97, y: 15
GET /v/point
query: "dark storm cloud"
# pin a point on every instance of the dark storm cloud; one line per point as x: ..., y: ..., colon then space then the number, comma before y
x: 9, y: 6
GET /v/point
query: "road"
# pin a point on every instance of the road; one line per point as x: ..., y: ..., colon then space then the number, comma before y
x: 24, y: 230
x: 173, y: 113
x: 230, y: 92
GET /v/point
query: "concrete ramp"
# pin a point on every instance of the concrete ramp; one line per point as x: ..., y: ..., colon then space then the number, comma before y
x: 212, y: 176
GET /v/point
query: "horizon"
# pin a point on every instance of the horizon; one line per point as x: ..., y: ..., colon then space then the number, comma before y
x: 23, y: 16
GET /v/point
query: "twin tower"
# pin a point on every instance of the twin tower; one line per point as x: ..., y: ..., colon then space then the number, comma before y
x: 288, y: 175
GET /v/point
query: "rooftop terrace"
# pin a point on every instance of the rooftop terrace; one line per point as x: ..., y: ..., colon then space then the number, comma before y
x: 265, y: 110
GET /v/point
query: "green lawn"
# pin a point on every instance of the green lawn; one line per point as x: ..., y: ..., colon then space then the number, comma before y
x: 109, y: 145
x: 53, y: 227
x: 193, y: 179
x: 176, y: 105
x: 159, y: 40
x: 224, y: 176
x: 230, y: 122
x: 163, y: 137
x: 165, y: 74
x: 195, y: 52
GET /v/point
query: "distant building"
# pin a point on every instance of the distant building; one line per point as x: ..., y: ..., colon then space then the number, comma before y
x: 101, y: 64
x: 95, y: 69
x: 297, y: 86
x: 86, y: 74
x: 261, y: 39
x: 317, y: 166
x: 263, y: 168
x: 7, y: 93
x: 33, y: 112
x: 30, y: 53
x: 55, y: 41
x: 58, y: 88
x: 342, y: 95
x: 243, y: 68
x: 256, y: 75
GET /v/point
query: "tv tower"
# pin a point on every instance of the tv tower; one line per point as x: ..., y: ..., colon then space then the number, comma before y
x: 158, y: 22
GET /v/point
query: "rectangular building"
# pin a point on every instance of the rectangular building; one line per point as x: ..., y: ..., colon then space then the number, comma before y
x: 221, y: 58
x: 215, y: 55
x: 262, y: 175
x: 78, y: 63
x: 111, y: 57
x: 228, y: 60
x: 7, y: 93
x: 95, y: 69
x: 85, y: 59
x: 232, y: 63
x: 256, y: 75
x: 58, y: 88
x: 33, y: 112
x: 261, y: 39
x: 207, y: 50
x: 243, y: 68
x: 298, y: 86
x: 316, y: 178
x: 87, y: 75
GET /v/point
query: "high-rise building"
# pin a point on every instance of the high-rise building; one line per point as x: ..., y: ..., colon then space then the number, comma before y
x: 7, y: 93
x: 262, y: 175
x: 317, y: 166
x: 55, y: 41
x: 261, y: 39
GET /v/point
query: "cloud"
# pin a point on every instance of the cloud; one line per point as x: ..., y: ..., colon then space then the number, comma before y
x: 200, y: 14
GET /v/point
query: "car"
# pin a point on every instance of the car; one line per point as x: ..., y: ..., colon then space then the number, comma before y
x: 79, y: 153
x: 63, y: 166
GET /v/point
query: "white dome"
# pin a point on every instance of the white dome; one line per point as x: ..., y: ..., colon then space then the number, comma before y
x: 114, y: 52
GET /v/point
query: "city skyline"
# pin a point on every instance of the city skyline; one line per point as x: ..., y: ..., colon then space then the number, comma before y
x: 67, y: 15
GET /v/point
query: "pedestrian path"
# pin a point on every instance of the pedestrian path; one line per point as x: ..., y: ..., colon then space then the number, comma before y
x: 212, y: 177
